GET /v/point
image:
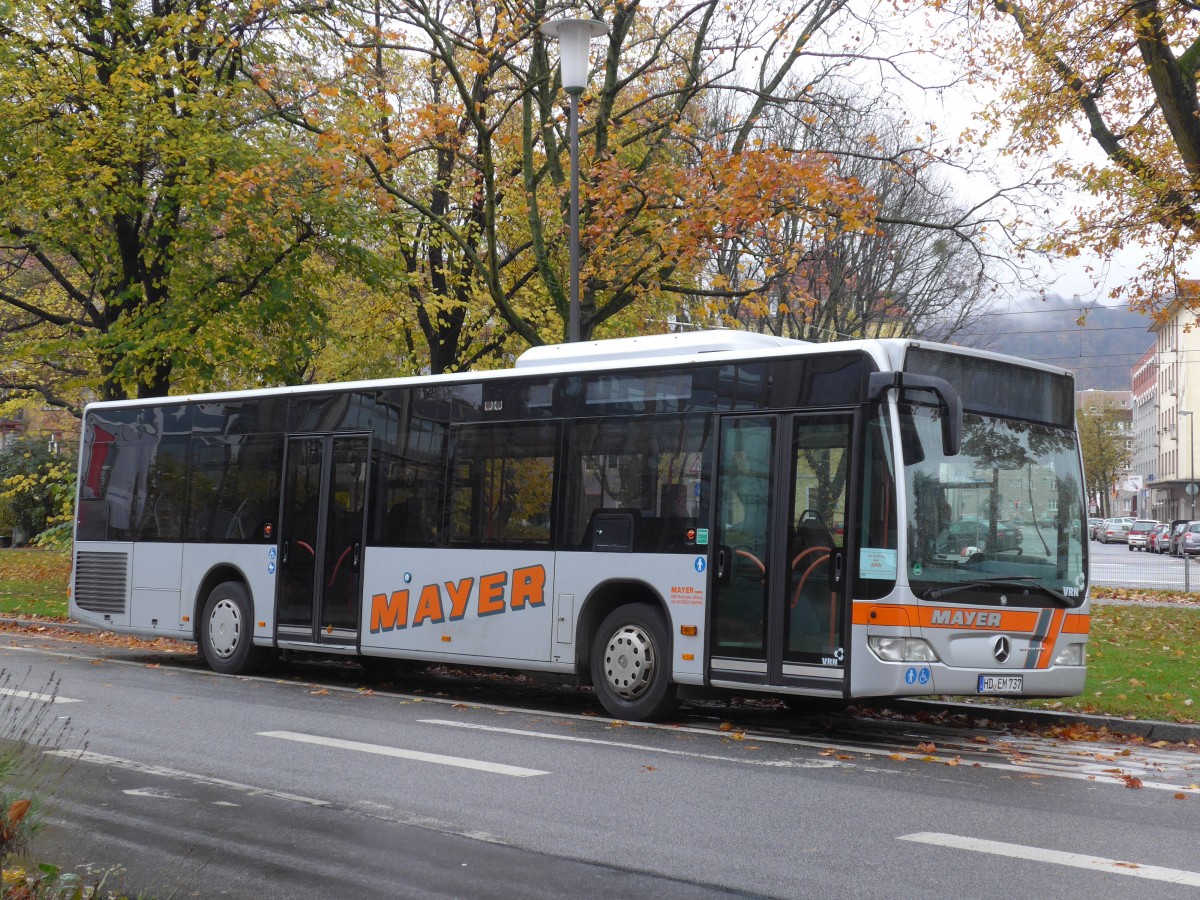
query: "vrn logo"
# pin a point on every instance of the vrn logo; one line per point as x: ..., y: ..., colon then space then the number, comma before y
x: 1070, y: 591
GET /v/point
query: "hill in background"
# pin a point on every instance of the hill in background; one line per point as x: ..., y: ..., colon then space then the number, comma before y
x: 1100, y: 352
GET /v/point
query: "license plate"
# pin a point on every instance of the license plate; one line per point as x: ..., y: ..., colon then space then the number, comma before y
x: 1001, y: 684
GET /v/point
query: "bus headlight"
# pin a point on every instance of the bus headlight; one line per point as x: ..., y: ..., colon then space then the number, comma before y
x: 1071, y: 655
x: 901, y: 649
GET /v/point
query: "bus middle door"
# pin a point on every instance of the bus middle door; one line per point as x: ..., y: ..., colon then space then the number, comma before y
x: 779, y: 554
x: 321, y: 539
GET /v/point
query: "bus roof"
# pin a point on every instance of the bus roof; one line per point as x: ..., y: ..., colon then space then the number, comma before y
x: 652, y: 346
x: 617, y: 354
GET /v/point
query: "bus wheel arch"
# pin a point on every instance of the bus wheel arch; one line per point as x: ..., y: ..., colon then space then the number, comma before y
x: 215, y: 576
x: 225, y: 630
x: 625, y: 633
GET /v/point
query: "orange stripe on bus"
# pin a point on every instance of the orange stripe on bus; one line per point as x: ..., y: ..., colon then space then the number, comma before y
x: 1051, y: 638
x: 971, y: 619
x: 1074, y: 623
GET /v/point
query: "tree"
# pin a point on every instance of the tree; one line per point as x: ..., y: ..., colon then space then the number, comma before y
x: 152, y: 218
x: 1121, y: 76
x: 923, y: 268
x: 452, y: 115
x: 1107, y: 450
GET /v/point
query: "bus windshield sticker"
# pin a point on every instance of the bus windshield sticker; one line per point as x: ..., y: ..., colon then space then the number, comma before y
x: 877, y: 562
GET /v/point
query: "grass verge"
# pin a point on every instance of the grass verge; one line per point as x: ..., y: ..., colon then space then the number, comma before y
x: 34, y: 582
x: 1143, y: 660
x: 1143, y: 663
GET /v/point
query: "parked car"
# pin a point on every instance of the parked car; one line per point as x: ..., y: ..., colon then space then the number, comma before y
x: 1094, y: 526
x: 1138, y: 537
x: 1160, y: 536
x: 1189, y: 541
x: 1114, y: 531
x: 1176, y: 538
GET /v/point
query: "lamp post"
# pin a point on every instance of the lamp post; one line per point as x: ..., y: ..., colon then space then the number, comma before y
x: 1191, y: 491
x: 574, y: 38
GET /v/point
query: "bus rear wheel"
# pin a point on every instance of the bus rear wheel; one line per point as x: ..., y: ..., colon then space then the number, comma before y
x: 227, y: 632
x: 631, y: 664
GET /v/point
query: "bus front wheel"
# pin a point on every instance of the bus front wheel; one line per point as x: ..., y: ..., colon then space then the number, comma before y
x: 631, y: 664
x: 227, y: 632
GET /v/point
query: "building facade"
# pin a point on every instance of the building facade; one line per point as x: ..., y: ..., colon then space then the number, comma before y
x: 1176, y: 402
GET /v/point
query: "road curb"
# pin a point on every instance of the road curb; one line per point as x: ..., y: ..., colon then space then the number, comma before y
x: 52, y: 625
x: 1148, y: 729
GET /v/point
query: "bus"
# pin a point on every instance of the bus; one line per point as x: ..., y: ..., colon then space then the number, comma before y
x: 664, y: 518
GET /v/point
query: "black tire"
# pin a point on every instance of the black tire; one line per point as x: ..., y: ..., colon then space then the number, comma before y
x: 227, y: 632
x: 631, y: 664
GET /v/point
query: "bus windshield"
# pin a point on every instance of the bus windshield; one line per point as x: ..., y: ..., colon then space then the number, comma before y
x: 1001, y: 521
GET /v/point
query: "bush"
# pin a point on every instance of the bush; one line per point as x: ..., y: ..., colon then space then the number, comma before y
x: 37, y: 494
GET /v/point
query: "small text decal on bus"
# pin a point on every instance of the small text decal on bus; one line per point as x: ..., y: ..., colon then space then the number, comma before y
x: 449, y: 600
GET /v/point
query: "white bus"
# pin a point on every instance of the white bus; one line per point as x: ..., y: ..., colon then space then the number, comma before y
x: 662, y: 518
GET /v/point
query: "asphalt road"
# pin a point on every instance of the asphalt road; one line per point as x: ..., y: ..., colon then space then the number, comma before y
x: 1115, y: 565
x: 309, y: 784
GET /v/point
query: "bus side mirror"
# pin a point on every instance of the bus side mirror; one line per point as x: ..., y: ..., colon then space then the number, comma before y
x: 947, y: 396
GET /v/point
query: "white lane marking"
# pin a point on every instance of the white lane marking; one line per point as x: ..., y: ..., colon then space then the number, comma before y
x: 30, y: 695
x: 156, y: 793
x: 774, y: 764
x: 1038, y: 854
x: 135, y: 766
x: 460, y: 762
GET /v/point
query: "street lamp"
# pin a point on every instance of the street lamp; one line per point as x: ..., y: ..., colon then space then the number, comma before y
x: 1191, y: 488
x: 1191, y: 491
x: 574, y: 38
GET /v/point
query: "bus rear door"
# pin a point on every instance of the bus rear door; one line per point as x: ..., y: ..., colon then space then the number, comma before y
x: 319, y: 588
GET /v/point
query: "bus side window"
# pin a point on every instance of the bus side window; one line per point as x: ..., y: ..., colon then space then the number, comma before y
x: 502, y: 484
x: 648, y: 469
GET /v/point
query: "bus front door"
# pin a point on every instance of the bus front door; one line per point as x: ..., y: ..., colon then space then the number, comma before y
x: 779, y: 554
x: 318, y: 594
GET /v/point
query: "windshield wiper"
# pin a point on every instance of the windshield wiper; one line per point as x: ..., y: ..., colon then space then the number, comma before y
x: 1003, y: 581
